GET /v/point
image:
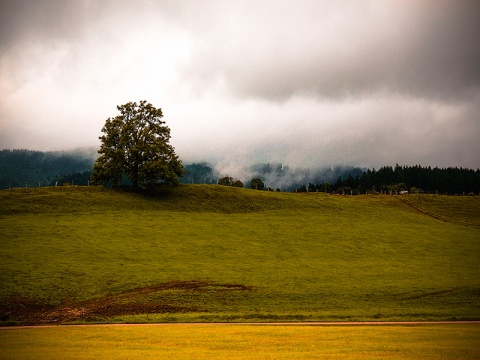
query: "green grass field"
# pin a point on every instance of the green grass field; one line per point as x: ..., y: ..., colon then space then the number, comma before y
x: 437, y: 342
x: 210, y: 253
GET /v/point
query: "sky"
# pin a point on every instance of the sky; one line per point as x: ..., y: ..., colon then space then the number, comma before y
x: 304, y: 83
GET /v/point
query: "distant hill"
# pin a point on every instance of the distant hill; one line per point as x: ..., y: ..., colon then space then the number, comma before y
x: 29, y: 168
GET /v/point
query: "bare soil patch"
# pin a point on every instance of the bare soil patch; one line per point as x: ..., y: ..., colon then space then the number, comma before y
x: 133, y: 302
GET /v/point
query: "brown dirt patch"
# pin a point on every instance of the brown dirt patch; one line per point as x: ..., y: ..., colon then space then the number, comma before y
x: 145, y: 300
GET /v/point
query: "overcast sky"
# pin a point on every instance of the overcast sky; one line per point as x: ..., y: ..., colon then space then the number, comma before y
x: 305, y: 83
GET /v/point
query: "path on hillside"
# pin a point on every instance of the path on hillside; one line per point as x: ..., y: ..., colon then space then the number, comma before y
x: 419, y: 209
x: 313, y: 323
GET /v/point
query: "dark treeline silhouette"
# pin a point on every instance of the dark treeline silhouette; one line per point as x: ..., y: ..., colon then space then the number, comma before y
x: 390, y: 180
x: 350, y: 180
x: 77, y: 178
x: 20, y: 168
x: 29, y: 168
x: 201, y: 173
x: 416, y: 179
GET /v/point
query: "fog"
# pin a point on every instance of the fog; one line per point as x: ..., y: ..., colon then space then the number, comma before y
x: 304, y: 83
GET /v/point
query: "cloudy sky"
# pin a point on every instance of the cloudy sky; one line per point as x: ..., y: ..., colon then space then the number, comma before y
x: 305, y: 83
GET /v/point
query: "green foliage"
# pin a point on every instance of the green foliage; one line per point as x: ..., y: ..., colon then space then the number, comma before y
x: 305, y: 256
x: 226, y: 181
x: 136, y: 144
x: 229, y: 181
x: 237, y: 183
x: 257, y: 184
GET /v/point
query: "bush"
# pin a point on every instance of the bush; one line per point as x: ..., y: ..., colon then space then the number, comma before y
x: 237, y: 183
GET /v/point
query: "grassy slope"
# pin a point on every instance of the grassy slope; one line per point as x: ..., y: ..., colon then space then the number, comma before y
x: 302, y: 256
x: 189, y: 341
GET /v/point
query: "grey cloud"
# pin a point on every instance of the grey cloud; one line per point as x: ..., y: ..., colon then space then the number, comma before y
x: 40, y: 20
x: 47, y: 21
x: 277, y: 49
x: 304, y: 83
x: 422, y: 48
x: 366, y: 133
x: 32, y: 32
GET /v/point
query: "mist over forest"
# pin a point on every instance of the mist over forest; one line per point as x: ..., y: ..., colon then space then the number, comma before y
x: 274, y: 175
x: 30, y: 168
x: 20, y: 168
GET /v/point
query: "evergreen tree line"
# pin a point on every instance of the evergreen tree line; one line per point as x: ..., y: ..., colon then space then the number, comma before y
x: 29, y: 168
x: 414, y: 179
x: 201, y: 173
x: 21, y: 168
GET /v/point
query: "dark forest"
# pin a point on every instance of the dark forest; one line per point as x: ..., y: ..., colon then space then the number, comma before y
x: 28, y: 168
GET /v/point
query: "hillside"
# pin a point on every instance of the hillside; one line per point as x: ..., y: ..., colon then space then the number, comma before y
x: 183, y: 198
x: 213, y: 253
x: 213, y: 198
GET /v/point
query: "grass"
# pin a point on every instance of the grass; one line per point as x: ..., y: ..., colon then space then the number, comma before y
x: 243, y: 342
x: 456, y: 209
x: 211, y: 253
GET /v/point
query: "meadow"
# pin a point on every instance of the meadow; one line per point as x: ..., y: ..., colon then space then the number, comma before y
x: 205, y: 253
x: 189, y: 341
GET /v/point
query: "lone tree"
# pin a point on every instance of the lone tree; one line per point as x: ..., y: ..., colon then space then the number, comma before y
x: 136, y: 145
x: 226, y: 181
x: 257, y: 183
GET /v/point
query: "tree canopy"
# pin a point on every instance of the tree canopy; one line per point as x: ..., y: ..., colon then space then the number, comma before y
x: 226, y: 181
x: 257, y: 183
x: 229, y: 181
x: 136, y: 145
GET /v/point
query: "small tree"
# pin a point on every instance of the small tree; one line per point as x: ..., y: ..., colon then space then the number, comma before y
x: 237, y: 183
x: 135, y: 144
x: 226, y: 181
x: 257, y: 183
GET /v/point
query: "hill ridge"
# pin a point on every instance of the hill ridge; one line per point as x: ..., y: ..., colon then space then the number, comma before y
x: 463, y: 210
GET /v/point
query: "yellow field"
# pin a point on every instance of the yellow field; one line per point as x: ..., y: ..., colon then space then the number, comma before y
x: 190, y: 341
